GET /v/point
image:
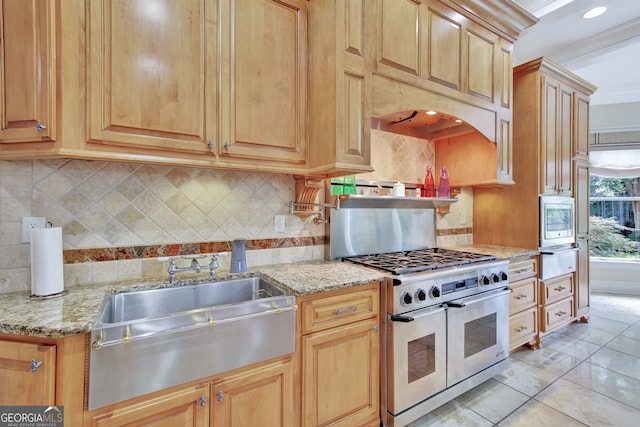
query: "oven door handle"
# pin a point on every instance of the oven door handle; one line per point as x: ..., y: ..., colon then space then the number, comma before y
x: 559, y: 251
x: 453, y: 304
x: 478, y: 298
x: 416, y: 315
x: 401, y: 318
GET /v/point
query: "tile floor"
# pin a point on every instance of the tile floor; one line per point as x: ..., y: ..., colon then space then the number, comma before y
x: 583, y: 375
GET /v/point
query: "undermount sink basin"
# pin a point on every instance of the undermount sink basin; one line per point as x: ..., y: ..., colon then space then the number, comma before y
x: 154, y: 303
x: 149, y: 340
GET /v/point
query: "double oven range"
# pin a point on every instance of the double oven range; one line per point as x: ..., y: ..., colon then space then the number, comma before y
x: 446, y: 322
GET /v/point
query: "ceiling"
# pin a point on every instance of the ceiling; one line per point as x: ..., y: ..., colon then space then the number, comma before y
x: 604, y: 50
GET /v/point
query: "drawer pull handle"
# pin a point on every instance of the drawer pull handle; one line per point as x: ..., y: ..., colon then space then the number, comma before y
x: 346, y: 310
x: 560, y: 288
x: 521, y: 296
x: 561, y: 313
x: 521, y: 328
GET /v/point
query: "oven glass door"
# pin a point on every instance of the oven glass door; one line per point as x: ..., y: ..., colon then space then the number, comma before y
x: 416, y: 357
x: 478, y: 334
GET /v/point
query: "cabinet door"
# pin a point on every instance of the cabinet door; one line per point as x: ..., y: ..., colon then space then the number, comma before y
x: 183, y: 408
x: 27, y: 373
x: 260, y: 397
x: 565, y: 142
x: 27, y: 71
x: 263, y: 99
x: 340, y: 384
x: 549, y: 135
x: 146, y: 74
x: 581, y: 126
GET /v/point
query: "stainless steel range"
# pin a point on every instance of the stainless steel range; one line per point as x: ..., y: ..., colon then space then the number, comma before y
x: 446, y: 323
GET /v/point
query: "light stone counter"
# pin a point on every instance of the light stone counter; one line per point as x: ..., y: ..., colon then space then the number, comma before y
x: 502, y: 252
x: 75, y: 311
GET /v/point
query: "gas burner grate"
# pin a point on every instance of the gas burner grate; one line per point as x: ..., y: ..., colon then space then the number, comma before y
x: 418, y: 260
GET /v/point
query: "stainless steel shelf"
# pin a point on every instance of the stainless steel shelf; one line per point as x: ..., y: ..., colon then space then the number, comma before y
x: 360, y: 202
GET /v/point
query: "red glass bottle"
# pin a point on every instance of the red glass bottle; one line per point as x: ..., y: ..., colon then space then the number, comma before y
x: 429, y: 185
x: 443, y: 185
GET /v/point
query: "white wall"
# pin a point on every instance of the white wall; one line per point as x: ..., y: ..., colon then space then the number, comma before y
x: 615, y: 276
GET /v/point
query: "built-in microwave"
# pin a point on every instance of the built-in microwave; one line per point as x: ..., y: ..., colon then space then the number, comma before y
x: 557, y: 221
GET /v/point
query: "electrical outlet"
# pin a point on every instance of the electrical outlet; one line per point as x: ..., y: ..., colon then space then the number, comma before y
x: 463, y: 218
x: 28, y: 224
x: 279, y: 223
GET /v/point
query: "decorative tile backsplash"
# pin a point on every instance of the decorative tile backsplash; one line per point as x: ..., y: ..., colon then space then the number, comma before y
x: 117, y: 217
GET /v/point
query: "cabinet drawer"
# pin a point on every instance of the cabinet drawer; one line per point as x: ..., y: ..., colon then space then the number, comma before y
x: 329, y: 312
x: 557, y: 288
x: 523, y: 327
x: 522, y: 268
x: 557, y: 314
x: 523, y: 295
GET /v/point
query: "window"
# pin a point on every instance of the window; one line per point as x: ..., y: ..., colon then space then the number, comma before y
x: 614, y: 206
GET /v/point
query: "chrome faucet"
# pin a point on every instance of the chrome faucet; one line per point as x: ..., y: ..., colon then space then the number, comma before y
x: 194, y: 266
x: 173, y: 268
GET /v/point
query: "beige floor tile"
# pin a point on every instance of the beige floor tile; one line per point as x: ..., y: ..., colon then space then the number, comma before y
x: 452, y: 414
x: 610, y: 383
x: 571, y: 346
x: 616, y: 361
x: 625, y: 345
x: 607, y: 324
x: 525, y: 378
x: 586, y: 332
x: 535, y: 413
x: 493, y: 400
x: 547, y: 359
x: 632, y: 331
x: 587, y: 406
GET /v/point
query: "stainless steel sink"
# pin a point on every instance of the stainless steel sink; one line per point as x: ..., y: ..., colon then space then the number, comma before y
x: 144, y: 341
x: 148, y: 304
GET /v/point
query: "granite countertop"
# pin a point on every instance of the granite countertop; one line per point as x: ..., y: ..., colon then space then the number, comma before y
x: 75, y: 311
x: 502, y: 252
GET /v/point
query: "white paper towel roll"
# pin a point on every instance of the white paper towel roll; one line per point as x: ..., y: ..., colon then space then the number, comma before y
x: 47, y: 276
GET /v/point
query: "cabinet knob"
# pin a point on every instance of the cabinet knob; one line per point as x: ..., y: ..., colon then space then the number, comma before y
x: 40, y: 127
x: 35, y: 365
x: 210, y: 144
x: 226, y: 146
x: 219, y: 396
x: 202, y: 401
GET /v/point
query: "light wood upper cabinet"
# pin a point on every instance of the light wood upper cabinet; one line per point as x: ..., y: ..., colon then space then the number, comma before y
x: 263, y: 80
x: 581, y: 127
x: 557, y: 131
x: 28, y: 71
x: 148, y: 80
x: 339, y: 101
x: 28, y: 372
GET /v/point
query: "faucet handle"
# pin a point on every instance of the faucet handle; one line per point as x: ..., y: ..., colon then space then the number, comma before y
x: 213, y: 265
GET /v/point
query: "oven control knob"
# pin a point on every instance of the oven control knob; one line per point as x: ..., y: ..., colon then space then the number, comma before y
x: 406, y: 298
x: 495, y: 278
x: 503, y: 276
x: 434, y: 292
x: 421, y: 295
x: 484, y: 280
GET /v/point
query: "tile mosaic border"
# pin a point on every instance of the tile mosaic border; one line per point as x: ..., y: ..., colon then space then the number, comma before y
x: 74, y: 256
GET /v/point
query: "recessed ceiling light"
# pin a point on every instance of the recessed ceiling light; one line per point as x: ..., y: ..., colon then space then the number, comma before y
x: 458, y: 121
x: 431, y: 112
x: 596, y: 11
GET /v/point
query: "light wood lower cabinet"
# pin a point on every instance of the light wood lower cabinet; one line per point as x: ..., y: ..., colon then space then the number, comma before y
x: 184, y: 407
x: 260, y: 397
x: 44, y: 371
x: 33, y: 367
x: 340, y: 347
x: 556, y: 298
x: 523, y: 302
